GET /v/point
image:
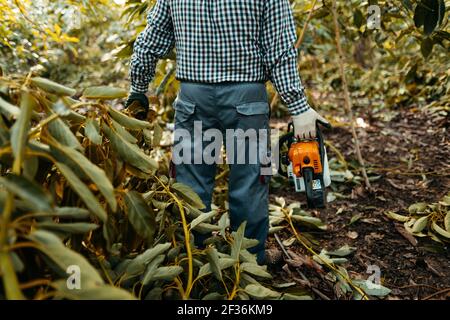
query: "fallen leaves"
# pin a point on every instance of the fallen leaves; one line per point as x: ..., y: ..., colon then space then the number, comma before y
x: 352, y: 235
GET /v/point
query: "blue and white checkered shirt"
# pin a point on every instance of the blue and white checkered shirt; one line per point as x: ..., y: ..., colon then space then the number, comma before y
x: 220, y: 41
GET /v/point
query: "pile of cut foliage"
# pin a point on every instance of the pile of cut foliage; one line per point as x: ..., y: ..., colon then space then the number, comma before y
x: 84, y: 187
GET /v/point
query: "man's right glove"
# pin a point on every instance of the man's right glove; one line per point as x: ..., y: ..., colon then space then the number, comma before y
x: 305, y: 124
x: 139, y: 102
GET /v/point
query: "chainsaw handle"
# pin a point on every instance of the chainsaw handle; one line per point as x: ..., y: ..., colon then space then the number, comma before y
x: 326, y: 125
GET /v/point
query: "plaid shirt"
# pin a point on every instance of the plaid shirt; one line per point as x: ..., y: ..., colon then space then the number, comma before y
x: 223, y: 40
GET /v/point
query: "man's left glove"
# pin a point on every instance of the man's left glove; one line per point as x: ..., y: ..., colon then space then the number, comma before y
x: 139, y: 104
x: 306, y: 122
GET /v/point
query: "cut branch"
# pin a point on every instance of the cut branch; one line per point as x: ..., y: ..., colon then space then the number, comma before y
x: 348, y: 101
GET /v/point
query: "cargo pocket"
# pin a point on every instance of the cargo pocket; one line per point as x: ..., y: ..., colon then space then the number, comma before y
x: 183, y: 110
x: 251, y: 132
x: 253, y: 115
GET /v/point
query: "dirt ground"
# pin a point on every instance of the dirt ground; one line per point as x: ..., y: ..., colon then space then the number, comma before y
x: 413, y: 164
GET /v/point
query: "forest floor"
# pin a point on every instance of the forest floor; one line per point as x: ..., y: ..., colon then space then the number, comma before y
x: 411, y: 154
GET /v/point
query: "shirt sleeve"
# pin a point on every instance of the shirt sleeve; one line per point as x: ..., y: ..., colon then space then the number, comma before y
x: 152, y: 44
x: 281, y: 56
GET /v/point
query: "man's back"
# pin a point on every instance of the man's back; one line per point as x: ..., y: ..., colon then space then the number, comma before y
x: 223, y: 41
x: 218, y: 40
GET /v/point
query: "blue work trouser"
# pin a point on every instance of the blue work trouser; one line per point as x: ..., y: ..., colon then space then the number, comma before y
x: 222, y: 107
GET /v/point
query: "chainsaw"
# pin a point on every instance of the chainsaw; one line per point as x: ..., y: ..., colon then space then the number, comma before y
x: 305, y: 164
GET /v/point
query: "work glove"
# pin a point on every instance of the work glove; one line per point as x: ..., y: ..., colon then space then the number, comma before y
x: 305, y: 124
x: 138, y: 105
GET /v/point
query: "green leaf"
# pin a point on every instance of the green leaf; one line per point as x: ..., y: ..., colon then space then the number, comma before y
x: 446, y: 200
x: 18, y: 265
x: 126, y: 121
x: 28, y: 191
x: 130, y: 153
x: 8, y: 110
x: 238, y: 239
x: 148, y: 137
x: 417, y: 208
x: 274, y: 230
x: 65, y: 212
x: 30, y: 167
x: 19, y: 131
x: 202, y: 218
x: 355, y: 218
x: 206, y: 228
x: 138, y: 264
x: 447, y: 221
x: 261, y: 293
x: 439, y: 230
x: 213, y: 259
x: 63, y: 257
x: 188, y: 194
x: 62, y: 133
x: 104, y: 93
x: 140, y: 215
x: 61, y: 108
x: 224, y: 263
x: 83, y: 191
x: 343, y: 251
x: 167, y: 273
x: 420, y: 224
x: 372, y: 289
x: 310, y: 221
x: 151, y: 268
x: 53, y: 87
x: 157, y: 135
x: 73, y: 116
x: 284, y: 285
x: 224, y: 223
x: 255, y: 270
x: 322, y: 258
x: 9, y: 278
x: 246, y: 256
x: 97, y: 175
x: 73, y: 228
x: 249, y: 243
x: 288, y: 296
x: 396, y: 216
x: 213, y: 296
x: 124, y: 133
x: 92, y: 131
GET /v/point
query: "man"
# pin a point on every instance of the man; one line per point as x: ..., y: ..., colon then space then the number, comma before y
x: 226, y: 51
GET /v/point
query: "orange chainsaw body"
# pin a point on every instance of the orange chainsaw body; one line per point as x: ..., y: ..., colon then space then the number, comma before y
x: 303, y: 155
